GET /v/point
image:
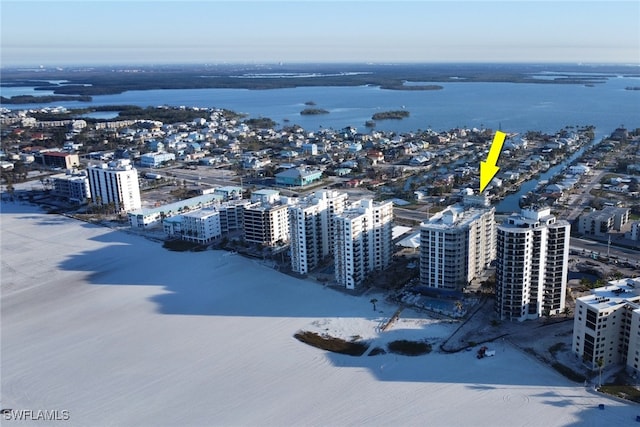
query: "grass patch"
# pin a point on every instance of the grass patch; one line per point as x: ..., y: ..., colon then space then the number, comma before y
x: 182, y: 246
x: 376, y: 351
x: 409, y: 348
x: 559, y: 346
x: 336, y: 345
x: 568, y: 372
x: 627, y: 392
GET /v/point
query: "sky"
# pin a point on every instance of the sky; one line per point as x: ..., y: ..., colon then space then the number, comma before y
x: 93, y: 32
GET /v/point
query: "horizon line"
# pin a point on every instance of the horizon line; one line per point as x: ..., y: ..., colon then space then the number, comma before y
x: 319, y: 62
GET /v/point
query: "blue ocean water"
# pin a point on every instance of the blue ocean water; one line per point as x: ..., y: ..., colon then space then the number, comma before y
x: 513, y: 107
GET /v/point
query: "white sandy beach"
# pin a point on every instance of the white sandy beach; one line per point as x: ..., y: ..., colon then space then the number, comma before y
x: 121, y: 332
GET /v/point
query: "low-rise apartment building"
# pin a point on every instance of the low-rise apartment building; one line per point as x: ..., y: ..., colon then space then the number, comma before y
x: 72, y: 185
x: 599, y: 223
x: 606, y: 326
x: 202, y: 226
x: 266, y: 224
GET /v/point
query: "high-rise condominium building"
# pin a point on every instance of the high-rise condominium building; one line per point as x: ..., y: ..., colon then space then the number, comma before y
x: 531, y: 265
x: 457, y: 244
x: 363, y: 241
x: 311, y: 223
x: 115, y: 183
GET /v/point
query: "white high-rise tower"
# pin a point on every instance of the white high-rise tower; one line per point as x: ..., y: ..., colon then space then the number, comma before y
x: 117, y: 183
x: 531, y: 265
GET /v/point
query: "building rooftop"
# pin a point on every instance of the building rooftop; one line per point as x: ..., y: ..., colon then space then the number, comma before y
x: 615, y: 293
x: 267, y: 192
x: 176, y: 206
x: 454, y: 216
x: 202, y: 213
x: 56, y: 154
x: 298, y: 173
x: 606, y: 213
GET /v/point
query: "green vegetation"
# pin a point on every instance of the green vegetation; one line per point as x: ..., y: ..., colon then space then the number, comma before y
x: 162, y: 114
x: 313, y: 111
x: 395, y: 115
x: 409, y: 348
x: 107, y: 80
x: 260, y: 123
x: 627, y: 392
x: 412, y: 87
x: 335, y: 345
x: 30, y: 99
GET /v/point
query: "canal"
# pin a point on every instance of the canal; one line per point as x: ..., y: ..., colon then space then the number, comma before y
x: 511, y: 204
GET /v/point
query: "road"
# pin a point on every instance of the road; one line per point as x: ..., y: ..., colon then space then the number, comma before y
x: 583, y: 199
x: 410, y: 214
x: 590, y: 246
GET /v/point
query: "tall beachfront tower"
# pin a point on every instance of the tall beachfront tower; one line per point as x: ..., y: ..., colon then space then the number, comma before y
x: 115, y: 182
x: 457, y: 244
x: 311, y: 223
x: 532, y: 265
x: 363, y: 241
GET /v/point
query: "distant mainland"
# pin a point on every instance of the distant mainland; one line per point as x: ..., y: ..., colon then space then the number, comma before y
x: 91, y: 81
x: 30, y: 99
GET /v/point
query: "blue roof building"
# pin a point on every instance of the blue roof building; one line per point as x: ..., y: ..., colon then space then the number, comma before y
x: 298, y: 177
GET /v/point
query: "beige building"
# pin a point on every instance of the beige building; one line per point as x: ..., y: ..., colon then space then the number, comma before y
x: 457, y: 244
x: 606, y: 326
x: 59, y: 159
x: 599, y: 223
x: 266, y: 224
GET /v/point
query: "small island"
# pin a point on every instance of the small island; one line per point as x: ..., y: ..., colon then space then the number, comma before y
x: 311, y: 103
x: 395, y: 115
x: 313, y: 111
x: 632, y: 88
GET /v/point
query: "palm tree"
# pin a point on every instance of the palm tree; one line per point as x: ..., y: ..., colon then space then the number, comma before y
x: 566, y: 311
x: 458, y: 305
x: 374, y: 301
x: 600, y: 364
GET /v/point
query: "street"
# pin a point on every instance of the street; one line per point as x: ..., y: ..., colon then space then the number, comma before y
x: 602, y: 249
